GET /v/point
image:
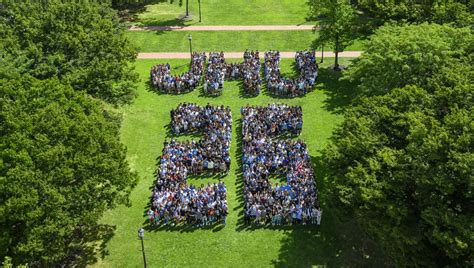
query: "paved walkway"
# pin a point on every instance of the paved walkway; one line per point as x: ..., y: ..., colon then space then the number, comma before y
x: 224, y: 28
x: 239, y: 55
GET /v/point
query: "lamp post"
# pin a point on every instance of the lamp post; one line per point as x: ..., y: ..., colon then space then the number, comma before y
x: 199, y: 1
x: 322, y: 53
x: 190, y: 38
x: 141, y: 235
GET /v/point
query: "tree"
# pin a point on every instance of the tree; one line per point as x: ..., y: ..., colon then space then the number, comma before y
x: 457, y: 12
x: 423, y: 55
x: 402, y: 160
x: 336, y: 22
x: 62, y: 165
x: 405, y: 172
x: 84, y: 45
x: 314, y: 14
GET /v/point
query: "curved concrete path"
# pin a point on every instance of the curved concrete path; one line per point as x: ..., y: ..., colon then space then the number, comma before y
x: 223, y: 28
x: 239, y: 55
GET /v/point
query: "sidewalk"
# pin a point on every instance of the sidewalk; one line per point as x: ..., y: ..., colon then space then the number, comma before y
x: 224, y: 28
x: 239, y: 55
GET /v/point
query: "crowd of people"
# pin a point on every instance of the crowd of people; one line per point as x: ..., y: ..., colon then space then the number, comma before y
x: 294, y: 202
x: 173, y: 201
x: 162, y: 79
x: 248, y: 71
x: 215, y: 75
x: 218, y: 71
x: 281, y: 86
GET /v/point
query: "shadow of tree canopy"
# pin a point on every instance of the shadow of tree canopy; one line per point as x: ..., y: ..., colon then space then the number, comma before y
x: 90, y: 244
x: 339, y: 241
x: 138, y: 5
x: 340, y: 91
x: 129, y: 11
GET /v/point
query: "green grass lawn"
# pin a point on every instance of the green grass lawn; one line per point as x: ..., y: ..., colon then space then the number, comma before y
x: 225, y: 12
x: 177, y: 41
x: 235, y: 245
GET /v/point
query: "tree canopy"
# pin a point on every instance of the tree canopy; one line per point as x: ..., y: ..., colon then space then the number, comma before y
x: 84, y: 45
x: 336, y: 20
x: 402, y: 160
x: 426, y: 55
x: 62, y: 164
x: 457, y: 12
x: 61, y: 167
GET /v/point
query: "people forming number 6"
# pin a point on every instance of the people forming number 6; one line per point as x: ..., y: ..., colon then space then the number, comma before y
x: 265, y: 152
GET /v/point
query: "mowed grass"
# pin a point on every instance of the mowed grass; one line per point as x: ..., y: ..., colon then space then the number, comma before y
x: 144, y: 130
x: 177, y: 41
x: 225, y: 12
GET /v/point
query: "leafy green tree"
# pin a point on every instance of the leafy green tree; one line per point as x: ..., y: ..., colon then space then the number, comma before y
x: 336, y: 22
x: 83, y: 44
x: 7, y: 263
x: 402, y: 164
x: 457, y: 12
x: 61, y: 166
x: 426, y: 55
x: 314, y: 14
x: 402, y: 160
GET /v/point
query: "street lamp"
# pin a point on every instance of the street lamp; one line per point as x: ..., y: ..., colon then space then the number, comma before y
x: 322, y: 53
x: 190, y: 38
x: 141, y: 235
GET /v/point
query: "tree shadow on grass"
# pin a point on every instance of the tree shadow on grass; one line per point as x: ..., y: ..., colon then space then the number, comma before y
x: 89, y: 244
x: 183, y: 228
x: 339, y: 241
x: 336, y: 242
x: 180, y: 22
x: 130, y: 12
x: 159, y: 32
x: 302, y: 245
x: 340, y: 91
x: 333, y: 244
